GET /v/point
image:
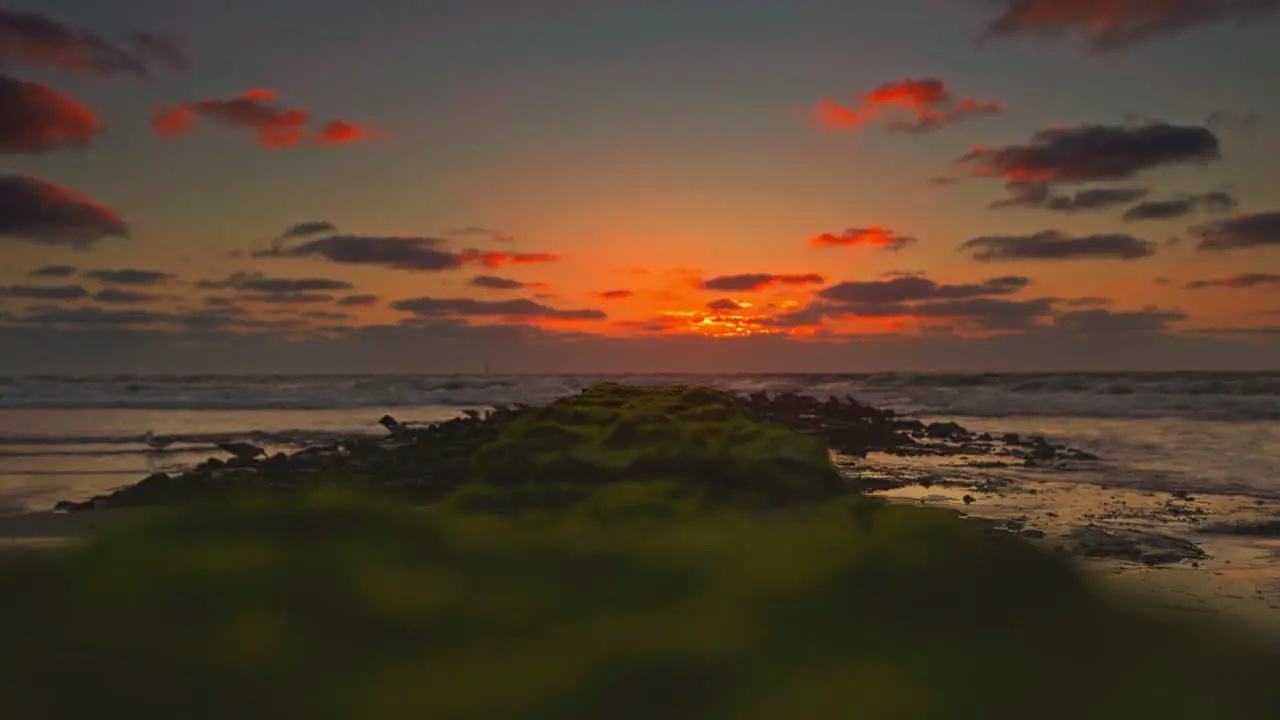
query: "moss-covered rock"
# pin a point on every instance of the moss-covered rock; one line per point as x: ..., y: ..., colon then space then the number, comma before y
x: 615, y: 433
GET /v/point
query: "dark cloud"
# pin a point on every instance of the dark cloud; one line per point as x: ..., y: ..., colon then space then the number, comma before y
x: 1091, y: 153
x: 307, y: 229
x: 913, y: 288
x: 724, y: 304
x: 130, y: 277
x: 125, y: 296
x: 1181, y: 207
x: 987, y: 313
x: 1054, y: 245
x: 495, y: 283
x: 443, y: 307
x: 758, y: 281
x: 260, y: 283
x: 42, y: 213
x: 1102, y: 322
x: 36, y: 119
x: 422, y: 254
x: 219, y: 301
x: 1240, y: 232
x: 616, y: 294
x: 1237, y: 282
x: 1040, y: 195
x: 326, y: 315
x: 1087, y: 302
x: 358, y: 301
x: 1109, y: 25
x: 29, y: 38
x: 290, y: 298
x: 44, y: 292
x: 60, y: 271
x: 256, y: 111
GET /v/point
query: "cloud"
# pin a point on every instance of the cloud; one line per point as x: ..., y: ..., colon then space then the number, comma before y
x: 60, y: 271
x: 1054, y: 245
x: 1090, y: 153
x: 33, y: 39
x: 913, y: 288
x: 326, y: 315
x: 260, y: 283
x: 36, y: 119
x: 44, y: 292
x: 496, y: 259
x: 444, y: 307
x: 307, y: 229
x: 1171, y: 209
x: 1237, y: 282
x: 1104, y: 322
x: 42, y: 213
x: 112, y: 295
x: 928, y: 103
x: 987, y: 313
x: 255, y: 110
x: 337, y: 132
x: 872, y: 236
x: 758, y: 281
x: 1040, y: 195
x: 1240, y: 232
x: 727, y: 304
x: 478, y: 230
x: 1109, y: 25
x: 130, y: 277
x: 421, y: 254
x: 616, y: 294
x: 1087, y: 301
x: 358, y: 301
x: 286, y: 298
x: 495, y: 283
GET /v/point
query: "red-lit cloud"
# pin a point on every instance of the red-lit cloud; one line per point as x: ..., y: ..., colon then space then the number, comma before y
x: 255, y: 110
x: 35, y: 119
x: 497, y: 259
x: 872, y: 236
x: 1105, y: 25
x: 337, y: 132
x: 751, y: 282
x: 927, y: 104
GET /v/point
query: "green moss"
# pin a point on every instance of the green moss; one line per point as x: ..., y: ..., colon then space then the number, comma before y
x: 615, y: 433
x: 628, y: 604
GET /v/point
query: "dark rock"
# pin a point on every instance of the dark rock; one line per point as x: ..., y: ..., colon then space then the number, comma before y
x: 947, y: 430
x: 1012, y: 438
x: 1033, y: 534
x: 968, y: 499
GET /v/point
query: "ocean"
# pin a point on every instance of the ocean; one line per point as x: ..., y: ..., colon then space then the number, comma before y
x: 75, y: 437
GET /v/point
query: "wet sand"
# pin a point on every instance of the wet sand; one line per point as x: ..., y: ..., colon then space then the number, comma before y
x: 1201, y: 554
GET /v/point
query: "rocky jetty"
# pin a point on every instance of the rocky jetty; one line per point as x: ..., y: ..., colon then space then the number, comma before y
x: 429, y: 462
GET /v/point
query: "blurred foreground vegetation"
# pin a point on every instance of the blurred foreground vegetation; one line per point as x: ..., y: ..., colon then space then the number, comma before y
x: 623, y: 554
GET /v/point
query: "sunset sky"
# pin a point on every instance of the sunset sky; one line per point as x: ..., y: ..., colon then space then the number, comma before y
x: 639, y: 185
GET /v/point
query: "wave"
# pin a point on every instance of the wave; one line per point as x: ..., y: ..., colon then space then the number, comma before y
x: 1215, y: 396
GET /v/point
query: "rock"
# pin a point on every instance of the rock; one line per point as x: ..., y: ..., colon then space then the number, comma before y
x: 968, y: 499
x: 947, y: 430
x: 1012, y: 438
x: 1132, y: 545
x: 1033, y: 534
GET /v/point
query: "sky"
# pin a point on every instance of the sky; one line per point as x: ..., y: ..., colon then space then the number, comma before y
x: 638, y: 186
